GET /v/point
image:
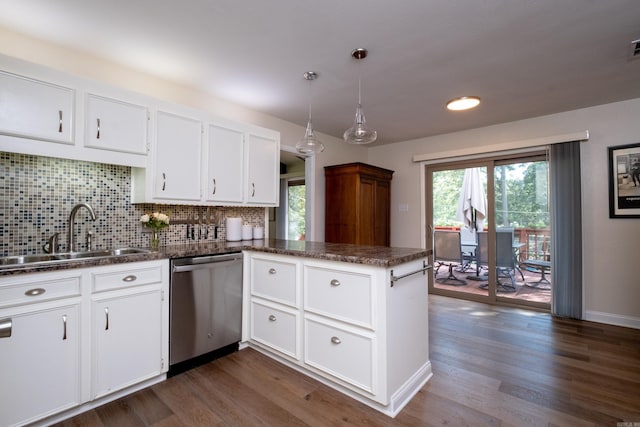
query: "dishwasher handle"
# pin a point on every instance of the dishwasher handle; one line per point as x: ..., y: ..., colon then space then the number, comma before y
x: 205, y: 266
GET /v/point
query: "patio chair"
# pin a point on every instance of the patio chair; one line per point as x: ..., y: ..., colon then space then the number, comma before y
x: 447, y: 251
x: 505, y: 259
x: 469, y: 236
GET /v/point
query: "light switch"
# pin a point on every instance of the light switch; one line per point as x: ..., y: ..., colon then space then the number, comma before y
x: 403, y: 207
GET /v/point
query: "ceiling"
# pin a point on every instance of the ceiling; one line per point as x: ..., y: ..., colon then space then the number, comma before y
x: 524, y: 58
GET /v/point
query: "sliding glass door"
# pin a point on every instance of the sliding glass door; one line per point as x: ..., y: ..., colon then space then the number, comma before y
x: 490, y: 230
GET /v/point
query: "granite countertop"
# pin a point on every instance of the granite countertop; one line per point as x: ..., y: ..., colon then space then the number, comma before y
x: 380, y: 256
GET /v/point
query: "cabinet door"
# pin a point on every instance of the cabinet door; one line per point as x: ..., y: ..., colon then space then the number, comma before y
x: 225, y: 159
x: 116, y: 125
x: 276, y: 327
x: 345, y: 353
x: 177, y: 161
x: 127, y: 345
x: 263, y: 170
x: 40, y: 364
x: 36, y: 110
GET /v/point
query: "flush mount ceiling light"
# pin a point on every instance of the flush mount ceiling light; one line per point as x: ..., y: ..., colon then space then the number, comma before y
x: 359, y: 133
x: 463, y: 103
x: 309, y: 144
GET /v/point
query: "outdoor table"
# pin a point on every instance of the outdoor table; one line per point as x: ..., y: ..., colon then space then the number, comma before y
x: 542, y: 266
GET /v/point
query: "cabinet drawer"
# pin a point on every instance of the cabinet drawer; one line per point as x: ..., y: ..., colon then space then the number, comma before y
x: 25, y: 290
x: 120, y: 279
x: 275, y: 280
x: 340, y: 352
x: 346, y: 296
x: 275, y: 327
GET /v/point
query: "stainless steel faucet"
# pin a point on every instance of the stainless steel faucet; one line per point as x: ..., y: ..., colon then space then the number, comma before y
x: 71, y: 241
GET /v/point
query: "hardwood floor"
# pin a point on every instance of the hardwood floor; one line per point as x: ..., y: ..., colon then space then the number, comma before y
x: 493, y: 366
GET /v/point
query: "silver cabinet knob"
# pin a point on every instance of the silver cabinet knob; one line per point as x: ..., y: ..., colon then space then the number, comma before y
x: 272, y: 318
x: 335, y: 340
x: 335, y: 282
x: 35, y: 292
x: 272, y: 271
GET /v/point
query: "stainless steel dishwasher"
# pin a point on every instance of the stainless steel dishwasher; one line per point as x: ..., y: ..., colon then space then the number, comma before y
x: 205, y: 308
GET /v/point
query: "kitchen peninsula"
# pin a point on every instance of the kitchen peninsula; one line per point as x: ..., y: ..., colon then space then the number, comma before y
x: 352, y: 317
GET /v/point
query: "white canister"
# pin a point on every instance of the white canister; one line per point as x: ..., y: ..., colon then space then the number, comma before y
x: 234, y: 229
x: 247, y: 232
x: 258, y: 233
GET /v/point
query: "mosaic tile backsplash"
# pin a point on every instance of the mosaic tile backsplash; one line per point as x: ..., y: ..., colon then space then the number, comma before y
x: 38, y: 193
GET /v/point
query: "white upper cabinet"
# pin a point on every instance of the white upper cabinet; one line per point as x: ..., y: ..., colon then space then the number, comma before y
x: 36, y: 109
x: 225, y: 155
x: 177, y: 154
x: 115, y: 125
x: 262, y: 168
x: 177, y: 157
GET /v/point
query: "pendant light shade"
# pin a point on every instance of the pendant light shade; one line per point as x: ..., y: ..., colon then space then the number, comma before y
x: 359, y: 133
x: 309, y: 144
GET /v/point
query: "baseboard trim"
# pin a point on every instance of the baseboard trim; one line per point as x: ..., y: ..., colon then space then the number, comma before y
x: 612, y: 319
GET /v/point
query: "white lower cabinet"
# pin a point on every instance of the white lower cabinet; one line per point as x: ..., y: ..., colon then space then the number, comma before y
x: 127, y: 341
x: 275, y: 326
x: 68, y: 338
x: 349, y: 327
x: 342, y: 352
x: 40, y: 364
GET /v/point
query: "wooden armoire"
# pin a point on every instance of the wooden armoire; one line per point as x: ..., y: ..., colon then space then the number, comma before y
x: 357, y: 204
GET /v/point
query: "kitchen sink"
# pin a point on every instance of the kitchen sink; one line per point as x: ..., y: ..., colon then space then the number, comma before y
x: 67, y: 256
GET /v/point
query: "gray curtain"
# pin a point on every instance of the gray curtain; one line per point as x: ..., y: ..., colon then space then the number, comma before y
x: 566, y: 220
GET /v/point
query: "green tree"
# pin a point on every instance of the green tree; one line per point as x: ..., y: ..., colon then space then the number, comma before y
x: 296, y: 214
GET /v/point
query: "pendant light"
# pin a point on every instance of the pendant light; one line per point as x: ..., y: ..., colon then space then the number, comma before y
x: 309, y: 144
x: 359, y: 133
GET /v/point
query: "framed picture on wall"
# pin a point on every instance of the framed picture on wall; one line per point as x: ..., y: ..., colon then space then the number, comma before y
x: 624, y: 181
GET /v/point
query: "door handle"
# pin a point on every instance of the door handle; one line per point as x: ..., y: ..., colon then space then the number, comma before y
x: 5, y: 327
x: 64, y: 327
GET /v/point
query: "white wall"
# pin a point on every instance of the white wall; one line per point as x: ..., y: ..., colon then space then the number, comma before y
x: 78, y: 63
x: 611, y: 247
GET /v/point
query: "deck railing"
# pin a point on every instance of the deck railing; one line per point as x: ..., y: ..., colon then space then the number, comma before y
x: 537, y: 242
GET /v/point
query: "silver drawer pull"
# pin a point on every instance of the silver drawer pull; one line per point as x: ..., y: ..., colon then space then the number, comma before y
x: 335, y: 340
x: 98, y: 123
x: 106, y: 318
x: 5, y: 327
x: 272, y: 318
x: 214, y: 186
x: 59, y: 121
x: 272, y: 271
x: 335, y: 282
x: 35, y: 292
x: 129, y: 278
x: 64, y: 327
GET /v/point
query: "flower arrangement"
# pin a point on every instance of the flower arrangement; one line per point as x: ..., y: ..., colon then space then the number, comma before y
x: 155, y: 220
